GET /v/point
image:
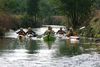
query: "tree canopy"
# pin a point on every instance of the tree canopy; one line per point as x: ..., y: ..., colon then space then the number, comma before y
x: 78, y: 11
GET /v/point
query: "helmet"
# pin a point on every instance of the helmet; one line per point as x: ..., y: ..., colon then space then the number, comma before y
x: 50, y: 28
x: 29, y: 28
x: 21, y: 28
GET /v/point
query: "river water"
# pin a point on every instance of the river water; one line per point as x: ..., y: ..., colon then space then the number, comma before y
x: 37, y: 53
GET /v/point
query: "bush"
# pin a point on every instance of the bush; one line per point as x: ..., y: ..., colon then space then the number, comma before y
x: 1, y: 32
x: 97, y: 35
x: 27, y: 21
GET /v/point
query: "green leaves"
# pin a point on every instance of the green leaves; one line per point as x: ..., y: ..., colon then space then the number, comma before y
x: 13, y: 6
x: 32, y: 7
x: 79, y: 11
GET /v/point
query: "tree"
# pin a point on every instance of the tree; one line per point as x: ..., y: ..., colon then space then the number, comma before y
x: 47, y: 8
x: 32, y: 8
x: 79, y: 12
x: 98, y: 4
x: 13, y: 6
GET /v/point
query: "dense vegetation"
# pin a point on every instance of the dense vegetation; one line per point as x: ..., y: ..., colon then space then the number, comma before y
x: 34, y: 13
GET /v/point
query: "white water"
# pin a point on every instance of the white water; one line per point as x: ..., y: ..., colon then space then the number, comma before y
x: 45, y: 57
x: 44, y: 60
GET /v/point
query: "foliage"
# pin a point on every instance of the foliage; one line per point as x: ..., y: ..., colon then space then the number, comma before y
x: 54, y: 20
x: 95, y: 22
x: 27, y: 21
x: 1, y: 32
x: 97, y: 35
x: 78, y: 11
x: 98, y: 4
x: 47, y: 8
x: 32, y: 7
x: 9, y: 23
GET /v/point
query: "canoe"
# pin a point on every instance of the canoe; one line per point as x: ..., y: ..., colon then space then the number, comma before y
x: 49, y: 38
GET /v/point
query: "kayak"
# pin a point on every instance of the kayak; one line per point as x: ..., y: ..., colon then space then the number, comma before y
x: 72, y: 39
x: 21, y: 37
x: 60, y: 36
x: 32, y: 37
x: 49, y: 38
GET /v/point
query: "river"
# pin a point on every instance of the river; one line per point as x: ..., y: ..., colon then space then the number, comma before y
x: 37, y: 53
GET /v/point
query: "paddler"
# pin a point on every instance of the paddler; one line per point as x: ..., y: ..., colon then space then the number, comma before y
x: 70, y: 32
x: 31, y: 32
x: 62, y: 32
x: 21, y: 34
x: 49, y: 34
x: 49, y: 31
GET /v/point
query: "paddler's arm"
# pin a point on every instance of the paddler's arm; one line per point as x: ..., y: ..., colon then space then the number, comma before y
x: 45, y: 32
x: 57, y: 32
x: 17, y: 32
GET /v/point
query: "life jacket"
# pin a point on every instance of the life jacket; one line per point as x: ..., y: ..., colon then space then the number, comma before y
x: 30, y: 32
x: 51, y: 32
x: 61, y: 32
x: 21, y: 33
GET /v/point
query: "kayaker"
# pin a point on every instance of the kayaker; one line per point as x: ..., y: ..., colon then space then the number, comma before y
x: 31, y: 32
x: 21, y: 32
x: 62, y: 32
x: 49, y: 31
x: 70, y: 32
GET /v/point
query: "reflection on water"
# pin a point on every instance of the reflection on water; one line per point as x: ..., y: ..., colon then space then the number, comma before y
x: 37, y: 53
x: 6, y: 43
x: 68, y: 49
x: 49, y: 44
x: 32, y: 46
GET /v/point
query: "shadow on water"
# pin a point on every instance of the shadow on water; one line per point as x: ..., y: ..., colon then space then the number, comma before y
x: 49, y: 44
x: 68, y: 49
x: 10, y: 44
x: 6, y: 43
x: 61, y: 47
x: 32, y: 46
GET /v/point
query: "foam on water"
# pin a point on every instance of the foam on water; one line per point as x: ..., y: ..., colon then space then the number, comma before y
x: 44, y: 57
x: 84, y: 60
